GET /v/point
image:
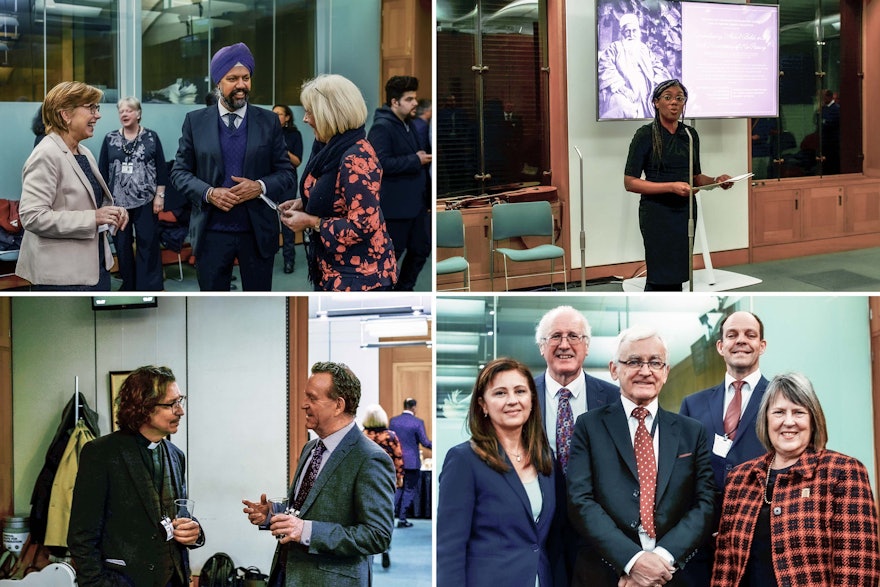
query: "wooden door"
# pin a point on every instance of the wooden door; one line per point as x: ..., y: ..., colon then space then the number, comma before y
x: 6, y: 492
x: 775, y: 216
x: 408, y: 371
x: 823, y: 212
x: 406, y: 42
x: 863, y: 208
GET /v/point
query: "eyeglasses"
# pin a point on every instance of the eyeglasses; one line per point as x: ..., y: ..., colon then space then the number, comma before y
x: 670, y: 98
x: 178, y: 403
x: 572, y: 339
x: 93, y: 108
x: 636, y: 364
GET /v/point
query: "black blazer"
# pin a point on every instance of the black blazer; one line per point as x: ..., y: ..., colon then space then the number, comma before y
x: 199, y: 165
x: 603, y: 491
x: 115, y: 515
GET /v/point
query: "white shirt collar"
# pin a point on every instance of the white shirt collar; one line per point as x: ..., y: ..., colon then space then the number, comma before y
x: 576, y: 387
x: 629, y: 406
x: 752, y: 379
x: 223, y: 111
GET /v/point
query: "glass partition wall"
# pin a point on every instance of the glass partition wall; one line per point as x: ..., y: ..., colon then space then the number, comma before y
x: 168, y: 42
x: 492, y: 109
x: 819, y: 128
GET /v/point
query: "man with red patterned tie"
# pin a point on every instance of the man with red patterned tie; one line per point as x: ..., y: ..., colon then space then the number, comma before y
x: 640, y: 487
x: 728, y: 413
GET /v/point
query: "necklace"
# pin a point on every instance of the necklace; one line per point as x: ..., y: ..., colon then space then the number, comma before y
x: 767, y: 481
x: 128, y: 147
x: 518, y: 458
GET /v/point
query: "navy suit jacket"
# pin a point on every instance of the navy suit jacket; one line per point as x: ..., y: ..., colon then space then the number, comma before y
x: 411, y: 433
x: 486, y: 534
x: 603, y: 491
x: 199, y: 166
x: 405, y: 183
x: 599, y: 393
x: 707, y: 406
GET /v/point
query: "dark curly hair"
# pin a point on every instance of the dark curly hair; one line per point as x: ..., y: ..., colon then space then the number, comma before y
x: 345, y: 384
x: 139, y: 394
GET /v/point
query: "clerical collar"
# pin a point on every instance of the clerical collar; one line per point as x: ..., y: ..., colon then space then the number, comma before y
x: 146, y: 442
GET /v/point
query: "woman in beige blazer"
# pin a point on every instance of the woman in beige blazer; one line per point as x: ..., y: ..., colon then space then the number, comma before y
x: 66, y: 208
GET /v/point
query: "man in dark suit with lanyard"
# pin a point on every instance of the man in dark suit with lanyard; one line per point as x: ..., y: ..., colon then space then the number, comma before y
x: 124, y: 526
x: 232, y: 164
x: 727, y: 412
x: 640, y: 486
x: 565, y: 391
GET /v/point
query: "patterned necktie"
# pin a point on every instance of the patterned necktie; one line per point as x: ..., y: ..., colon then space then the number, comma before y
x: 564, y: 425
x: 230, y: 120
x: 646, y: 465
x: 734, y: 410
x: 311, y: 475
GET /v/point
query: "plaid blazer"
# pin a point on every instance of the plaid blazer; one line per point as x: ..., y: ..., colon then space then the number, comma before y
x: 823, y: 523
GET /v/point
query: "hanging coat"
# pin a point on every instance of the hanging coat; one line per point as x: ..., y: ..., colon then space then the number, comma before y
x: 62, y: 488
x: 43, y: 486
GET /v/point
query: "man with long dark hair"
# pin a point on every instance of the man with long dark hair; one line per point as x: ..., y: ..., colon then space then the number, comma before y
x: 124, y: 527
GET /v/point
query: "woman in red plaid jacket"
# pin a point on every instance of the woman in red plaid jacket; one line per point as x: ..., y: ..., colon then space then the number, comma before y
x: 801, y: 515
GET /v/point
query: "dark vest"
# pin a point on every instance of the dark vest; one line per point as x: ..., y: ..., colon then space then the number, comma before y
x: 233, y: 145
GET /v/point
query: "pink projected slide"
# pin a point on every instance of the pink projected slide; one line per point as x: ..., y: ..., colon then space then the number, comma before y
x: 730, y: 59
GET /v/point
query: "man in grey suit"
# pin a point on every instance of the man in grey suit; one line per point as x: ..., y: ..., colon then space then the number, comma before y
x: 342, y: 497
x: 640, y: 486
x: 565, y: 391
x: 124, y: 528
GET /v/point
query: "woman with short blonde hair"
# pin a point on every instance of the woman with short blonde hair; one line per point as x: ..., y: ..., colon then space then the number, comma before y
x: 348, y: 246
x: 66, y: 208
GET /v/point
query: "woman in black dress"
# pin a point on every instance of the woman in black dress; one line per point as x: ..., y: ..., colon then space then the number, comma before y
x: 294, y: 141
x: 660, y: 151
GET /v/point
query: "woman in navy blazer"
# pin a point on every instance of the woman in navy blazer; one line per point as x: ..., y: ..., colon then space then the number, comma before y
x: 497, y: 503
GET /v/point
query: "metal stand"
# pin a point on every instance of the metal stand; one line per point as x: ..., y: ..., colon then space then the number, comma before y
x: 583, y: 234
x: 690, y: 251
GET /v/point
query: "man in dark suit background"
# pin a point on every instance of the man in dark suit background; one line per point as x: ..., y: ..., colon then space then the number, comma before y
x: 729, y: 421
x: 563, y: 338
x: 410, y: 431
x: 342, y: 495
x: 640, y: 484
x: 232, y: 164
x: 405, y: 191
x: 123, y: 525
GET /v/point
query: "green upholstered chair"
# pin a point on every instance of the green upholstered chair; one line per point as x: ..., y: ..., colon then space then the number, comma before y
x: 523, y: 219
x: 450, y: 234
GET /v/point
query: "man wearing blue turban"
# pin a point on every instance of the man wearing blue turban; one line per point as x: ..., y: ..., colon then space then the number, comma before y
x: 232, y: 164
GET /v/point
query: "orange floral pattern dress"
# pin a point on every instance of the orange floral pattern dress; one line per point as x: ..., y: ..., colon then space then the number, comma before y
x: 353, y: 249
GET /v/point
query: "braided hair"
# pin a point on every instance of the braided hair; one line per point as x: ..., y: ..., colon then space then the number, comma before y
x: 656, y: 136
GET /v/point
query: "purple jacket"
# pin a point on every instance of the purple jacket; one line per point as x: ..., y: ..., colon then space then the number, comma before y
x: 411, y: 433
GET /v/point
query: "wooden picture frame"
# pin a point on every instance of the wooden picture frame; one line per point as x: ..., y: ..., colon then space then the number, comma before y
x: 116, y: 379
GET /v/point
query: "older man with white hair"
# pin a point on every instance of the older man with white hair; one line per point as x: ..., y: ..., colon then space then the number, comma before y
x: 628, y: 72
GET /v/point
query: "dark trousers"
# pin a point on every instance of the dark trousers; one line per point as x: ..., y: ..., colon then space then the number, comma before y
x: 412, y: 236
x: 217, y: 254
x: 288, y: 246
x: 651, y: 286
x: 406, y: 494
x: 140, y: 266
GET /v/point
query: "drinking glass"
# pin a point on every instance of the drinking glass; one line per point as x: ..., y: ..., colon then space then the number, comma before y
x: 277, y: 505
x: 184, y: 508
